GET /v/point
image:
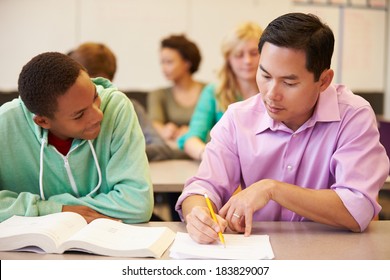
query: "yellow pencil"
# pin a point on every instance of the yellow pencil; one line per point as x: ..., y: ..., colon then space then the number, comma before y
x: 215, y: 219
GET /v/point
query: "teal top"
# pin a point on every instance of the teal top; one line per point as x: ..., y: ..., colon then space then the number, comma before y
x: 206, y: 114
x: 117, y: 184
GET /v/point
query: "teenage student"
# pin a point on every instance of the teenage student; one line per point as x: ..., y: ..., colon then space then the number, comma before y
x: 100, y: 61
x: 237, y: 81
x: 302, y: 150
x: 74, y: 144
x: 171, y: 108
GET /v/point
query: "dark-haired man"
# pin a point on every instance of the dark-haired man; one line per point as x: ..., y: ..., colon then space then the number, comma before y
x: 302, y: 149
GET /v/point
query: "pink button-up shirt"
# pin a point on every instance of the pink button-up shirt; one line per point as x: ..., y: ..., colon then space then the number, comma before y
x: 337, y: 148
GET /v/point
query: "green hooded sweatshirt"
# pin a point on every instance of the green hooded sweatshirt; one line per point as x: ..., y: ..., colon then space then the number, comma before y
x: 116, y: 183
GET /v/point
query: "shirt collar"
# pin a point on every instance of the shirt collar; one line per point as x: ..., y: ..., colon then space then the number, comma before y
x: 327, y: 108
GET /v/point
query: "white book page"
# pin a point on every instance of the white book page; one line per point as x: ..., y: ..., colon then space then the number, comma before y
x: 108, y: 237
x: 46, y: 232
x: 238, y: 247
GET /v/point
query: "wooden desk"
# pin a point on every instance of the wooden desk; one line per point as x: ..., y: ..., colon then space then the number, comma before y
x: 170, y: 175
x: 289, y: 240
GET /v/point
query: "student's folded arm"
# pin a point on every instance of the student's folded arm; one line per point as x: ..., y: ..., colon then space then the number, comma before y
x: 25, y: 204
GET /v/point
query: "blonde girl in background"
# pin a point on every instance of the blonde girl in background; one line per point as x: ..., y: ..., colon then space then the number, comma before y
x: 237, y: 81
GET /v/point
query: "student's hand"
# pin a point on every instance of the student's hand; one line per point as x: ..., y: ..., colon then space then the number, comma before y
x: 238, y: 211
x: 201, y: 227
x: 169, y: 131
x: 181, y: 131
x: 88, y: 213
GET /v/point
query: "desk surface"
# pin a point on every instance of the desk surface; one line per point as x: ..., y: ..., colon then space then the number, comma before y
x: 170, y: 175
x: 289, y: 240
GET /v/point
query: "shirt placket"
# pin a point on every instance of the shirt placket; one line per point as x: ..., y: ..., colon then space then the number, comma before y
x: 292, y: 159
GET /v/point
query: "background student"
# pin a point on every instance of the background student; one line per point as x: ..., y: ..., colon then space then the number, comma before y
x: 171, y: 108
x: 302, y: 150
x: 70, y: 143
x: 100, y: 61
x: 237, y: 81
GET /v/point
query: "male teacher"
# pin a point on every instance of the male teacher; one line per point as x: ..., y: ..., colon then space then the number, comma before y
x: 301, y: 150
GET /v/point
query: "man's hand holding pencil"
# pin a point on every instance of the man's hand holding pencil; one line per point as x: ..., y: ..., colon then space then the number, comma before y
x: 202, y: 227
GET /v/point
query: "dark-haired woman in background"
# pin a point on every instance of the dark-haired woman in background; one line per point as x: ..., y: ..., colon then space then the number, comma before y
x: 171, y: 108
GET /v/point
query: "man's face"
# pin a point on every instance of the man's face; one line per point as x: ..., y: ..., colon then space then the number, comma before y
x: 288, y: 89
x: 78, y: 112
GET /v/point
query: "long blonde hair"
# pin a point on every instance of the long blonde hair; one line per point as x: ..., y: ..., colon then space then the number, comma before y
x: 227, y: 90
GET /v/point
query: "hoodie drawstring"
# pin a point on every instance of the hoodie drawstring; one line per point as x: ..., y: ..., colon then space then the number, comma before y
x: 97, y: 167
x: 43, y: 143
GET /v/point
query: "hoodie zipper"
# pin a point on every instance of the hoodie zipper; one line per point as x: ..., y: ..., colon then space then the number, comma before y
x: 69, y: 171
x: 70, y: 175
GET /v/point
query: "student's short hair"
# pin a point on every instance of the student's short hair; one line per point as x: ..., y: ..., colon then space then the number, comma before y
x: 303, y: 32
x: 44, y: 78
x: 188, y: 50
x: 97, y: 58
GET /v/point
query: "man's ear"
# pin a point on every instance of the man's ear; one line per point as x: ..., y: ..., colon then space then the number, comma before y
x: 326, y: 79
x: 42, y: 121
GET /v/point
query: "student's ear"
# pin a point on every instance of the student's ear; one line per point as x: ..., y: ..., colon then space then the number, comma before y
x: 189, y: 65
x: 325, y: 79
x: 42, y: 121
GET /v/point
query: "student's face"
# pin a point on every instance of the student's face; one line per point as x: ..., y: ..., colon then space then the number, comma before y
x: 172, y: 64
x: 288, y: 89
x: 244, y: 60
x: 78, y: 113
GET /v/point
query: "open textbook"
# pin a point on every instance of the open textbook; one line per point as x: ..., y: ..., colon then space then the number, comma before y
x: 68, y: 231
x: 238, y: 247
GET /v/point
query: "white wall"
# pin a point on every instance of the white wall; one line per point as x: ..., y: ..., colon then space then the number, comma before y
x: 28, y: 28
x: 134, y: 28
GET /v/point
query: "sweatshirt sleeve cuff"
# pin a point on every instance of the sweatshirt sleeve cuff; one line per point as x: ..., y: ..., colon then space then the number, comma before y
x: 48, y: 207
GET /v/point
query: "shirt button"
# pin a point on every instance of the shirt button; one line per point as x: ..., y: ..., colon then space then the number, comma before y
x: 289, y: 167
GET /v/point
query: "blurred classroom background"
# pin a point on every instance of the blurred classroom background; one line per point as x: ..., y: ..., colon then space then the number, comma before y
x: 134, y: 28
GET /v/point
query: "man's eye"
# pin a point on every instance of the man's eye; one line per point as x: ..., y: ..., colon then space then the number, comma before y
x: 79, y: 117
x: 290, y: 84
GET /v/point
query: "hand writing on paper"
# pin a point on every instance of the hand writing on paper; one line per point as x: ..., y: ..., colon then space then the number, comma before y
x: 88, y: 213
x: 201, y: 227
x: 239, y: 209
